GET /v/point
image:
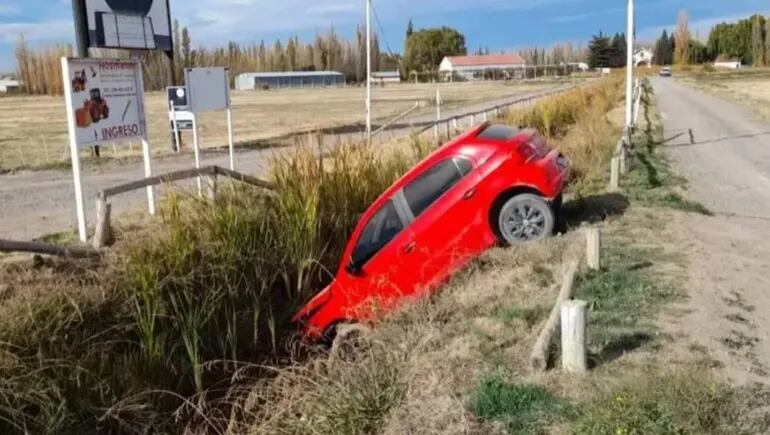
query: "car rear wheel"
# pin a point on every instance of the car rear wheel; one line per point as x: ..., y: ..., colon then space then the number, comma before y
x: 524, y: 219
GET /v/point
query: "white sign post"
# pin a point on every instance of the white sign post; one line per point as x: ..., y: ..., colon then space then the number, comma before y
x: 105, y: 104
x: 208, y: 89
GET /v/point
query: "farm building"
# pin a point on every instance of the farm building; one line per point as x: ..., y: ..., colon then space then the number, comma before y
x: 383, y: 77
x: 728, y: 64
x: 295, y: 79
x: 503, y: 66
x: 643, y: 57
x: 8, y: 85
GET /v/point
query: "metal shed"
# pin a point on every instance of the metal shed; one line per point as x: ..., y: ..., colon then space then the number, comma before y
x: 296, y: 79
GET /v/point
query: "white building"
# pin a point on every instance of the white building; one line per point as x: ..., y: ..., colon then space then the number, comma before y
x: 643, y: 57
x: 9, y: 85
x: 292, y: 79
x: 727, y: 64
x: 383, y: 77
x: 502, y: 66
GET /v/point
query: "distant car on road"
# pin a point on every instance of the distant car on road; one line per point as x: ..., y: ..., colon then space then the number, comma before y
x: 665, y: 71
x: 492, y: 185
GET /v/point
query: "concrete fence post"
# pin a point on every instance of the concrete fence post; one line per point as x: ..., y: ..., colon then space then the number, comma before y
x: 593, y: 248
x: 615, y: 174
x: 102, y: 233
x: 574, y: 315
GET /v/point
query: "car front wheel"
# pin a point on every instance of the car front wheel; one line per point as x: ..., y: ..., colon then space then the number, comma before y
x: 524, y: 219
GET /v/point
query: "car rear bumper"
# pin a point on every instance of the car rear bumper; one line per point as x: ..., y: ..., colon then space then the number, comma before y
x: 556, y: 168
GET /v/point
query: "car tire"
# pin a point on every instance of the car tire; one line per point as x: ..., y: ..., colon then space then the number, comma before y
x: 524, y: 218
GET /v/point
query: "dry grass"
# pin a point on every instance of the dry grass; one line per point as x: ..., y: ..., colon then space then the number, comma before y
x: 33, y: 130
x: 750, y: 87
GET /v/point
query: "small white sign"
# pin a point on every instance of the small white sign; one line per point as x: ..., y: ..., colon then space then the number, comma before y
x: 106, y: 100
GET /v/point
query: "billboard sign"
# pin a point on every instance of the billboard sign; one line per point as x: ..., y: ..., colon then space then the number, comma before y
x: 105, y: 100
x: 129, y: 24
x: 208, y: 89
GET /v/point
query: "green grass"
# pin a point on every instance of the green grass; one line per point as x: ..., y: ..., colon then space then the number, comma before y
x: 523, y: 409
x: 624, y: 297
x: 654, y: 403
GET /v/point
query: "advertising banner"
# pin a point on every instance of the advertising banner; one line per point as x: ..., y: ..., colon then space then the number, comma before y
x: 105, y: 99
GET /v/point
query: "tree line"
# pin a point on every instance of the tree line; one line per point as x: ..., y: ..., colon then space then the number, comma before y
x: 39, y: 68
x: 747, y: 41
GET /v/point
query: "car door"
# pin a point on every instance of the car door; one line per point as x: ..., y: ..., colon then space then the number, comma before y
x: 373, y: 277
x: 445, y: 207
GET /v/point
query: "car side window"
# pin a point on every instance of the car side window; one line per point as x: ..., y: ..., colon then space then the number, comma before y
x: 384, y: 227
x: 421, y: 193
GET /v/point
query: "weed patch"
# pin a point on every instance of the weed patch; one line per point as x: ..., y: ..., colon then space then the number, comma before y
x: 523, y: 409
x: 653, y: 403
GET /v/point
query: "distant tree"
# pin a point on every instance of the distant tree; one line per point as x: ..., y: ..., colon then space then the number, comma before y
x: 682, y: 39
x: 661, y: 55
x: 699, y: 53
x: 186, y: 48
x: 767, y: 42
x: 426, y: 48
x: 409, y: 29
x: 758, y: 40
x: 618, y: 51
x: 390, y: 62
x: 600, y: 51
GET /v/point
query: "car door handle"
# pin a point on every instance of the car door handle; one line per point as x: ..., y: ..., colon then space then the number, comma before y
x: 410, y: 247
x: 471, y: 193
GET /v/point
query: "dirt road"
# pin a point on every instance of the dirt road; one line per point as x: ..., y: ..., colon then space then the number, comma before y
x: 36, y: 203
x: 725, y: 155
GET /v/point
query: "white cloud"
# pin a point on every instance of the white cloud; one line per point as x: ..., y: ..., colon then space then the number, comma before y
x: 8, y: 10
x: 584, y: 16
x: 57, y: 30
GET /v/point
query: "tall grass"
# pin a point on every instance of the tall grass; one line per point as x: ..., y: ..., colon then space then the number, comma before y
x: 175, y: 314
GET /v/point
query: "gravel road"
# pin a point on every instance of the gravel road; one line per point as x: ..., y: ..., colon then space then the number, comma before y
x: 725, y: 155
x: 36, y: 203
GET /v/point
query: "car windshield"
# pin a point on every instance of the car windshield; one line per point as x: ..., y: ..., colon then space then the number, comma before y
x: 383, y: 228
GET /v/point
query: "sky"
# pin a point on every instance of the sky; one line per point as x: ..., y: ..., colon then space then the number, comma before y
x: 496, y: 24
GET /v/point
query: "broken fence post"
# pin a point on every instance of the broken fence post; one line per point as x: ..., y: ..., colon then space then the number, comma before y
x: 538, y: 360
x: 103, y: 231
x: 593, y: 248
x: 574, y: 315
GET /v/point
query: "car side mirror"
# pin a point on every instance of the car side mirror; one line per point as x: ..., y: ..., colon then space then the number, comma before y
x: 354, y: 269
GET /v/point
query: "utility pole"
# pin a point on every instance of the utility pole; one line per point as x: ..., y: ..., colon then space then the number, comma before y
x: 368, y: 72
x: 630, y: 66
x: 80, y: 18
x: 81, y: 27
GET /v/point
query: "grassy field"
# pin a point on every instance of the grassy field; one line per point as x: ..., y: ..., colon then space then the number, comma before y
x: 750, y: 87
x: 33, y: 130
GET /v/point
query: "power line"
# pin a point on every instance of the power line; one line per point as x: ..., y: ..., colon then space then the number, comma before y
x: 382, y: 30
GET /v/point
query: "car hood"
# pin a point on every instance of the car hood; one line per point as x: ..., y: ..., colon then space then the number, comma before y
x: 314, y: 305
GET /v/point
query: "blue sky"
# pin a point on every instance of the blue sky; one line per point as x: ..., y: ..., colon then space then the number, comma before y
x: 497, y: 24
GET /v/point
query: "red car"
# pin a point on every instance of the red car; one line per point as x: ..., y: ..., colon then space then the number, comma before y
x: 492, y: 185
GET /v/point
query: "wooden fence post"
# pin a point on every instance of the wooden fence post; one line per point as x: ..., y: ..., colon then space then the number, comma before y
x: 538, y: 360
x: 615, y: 175
x: 103, y: 231
x: 211, y: 187
x: 593, y: 248
x: 574, y: 315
